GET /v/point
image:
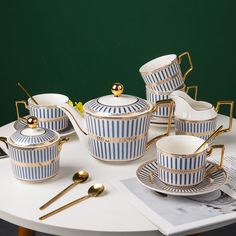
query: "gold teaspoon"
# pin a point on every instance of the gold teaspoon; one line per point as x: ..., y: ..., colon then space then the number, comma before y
x: 209, y: 138
x: 78, y: 177
x: 93, y: 191
x: 28, y: 94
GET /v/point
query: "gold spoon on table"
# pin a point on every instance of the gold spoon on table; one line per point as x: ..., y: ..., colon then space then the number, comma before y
x: 93, y: 191
x: 79, y: 177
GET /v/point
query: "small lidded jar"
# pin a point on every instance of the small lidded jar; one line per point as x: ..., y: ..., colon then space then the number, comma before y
x: 34, y: 152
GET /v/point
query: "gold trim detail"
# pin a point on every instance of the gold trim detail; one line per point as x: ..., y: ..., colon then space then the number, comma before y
x: 132, y: 116
x: 193, y: 121
x: 174, y: 155
x: 193, y: 87
x: 190, y: 63
x: 36, y: 146
x: 51, y: 119
x: 209, y: 152
x: 166, y: 80
x: 160, y: 68
x: 231, y: 104
x: 117, y: 140
x: 17, y: 108
x: 95, y: 113
x: 176, y: 171
x: 181, y: 88
x: 181, y: 132
x: 159, y: 103
x: 38, y: 164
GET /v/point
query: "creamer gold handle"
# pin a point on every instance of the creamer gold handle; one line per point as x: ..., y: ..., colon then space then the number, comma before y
x: 17, y: 108
x: 190, y: 63
x: 193, y: 87
x: 231, y: 105
x: 209, y: 152
x: 159, y: 103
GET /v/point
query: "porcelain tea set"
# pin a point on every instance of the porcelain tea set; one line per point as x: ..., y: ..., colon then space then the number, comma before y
x: 115, y: 129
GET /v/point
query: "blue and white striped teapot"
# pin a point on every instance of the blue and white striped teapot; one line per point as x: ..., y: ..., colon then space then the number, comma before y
x: 116, y: 125
x: 34, y: 152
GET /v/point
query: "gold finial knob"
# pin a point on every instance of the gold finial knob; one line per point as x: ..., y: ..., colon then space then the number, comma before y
x: 32, y: 122
x: 117, y: 89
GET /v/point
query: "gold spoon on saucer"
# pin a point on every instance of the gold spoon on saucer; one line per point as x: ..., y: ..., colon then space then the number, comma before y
x: 79, y: 177
x: 93, y: 191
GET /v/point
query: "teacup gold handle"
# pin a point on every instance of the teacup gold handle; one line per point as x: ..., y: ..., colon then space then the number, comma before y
x: 195, y: 88
x: 231, y: 105
x: 209, y: 152
x: 158, y: 103
x: 190, y: 63
x: 17, y: 108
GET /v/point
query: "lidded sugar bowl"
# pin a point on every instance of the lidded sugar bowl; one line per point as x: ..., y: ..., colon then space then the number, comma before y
x: 34, y: 152
x: 116, y: 125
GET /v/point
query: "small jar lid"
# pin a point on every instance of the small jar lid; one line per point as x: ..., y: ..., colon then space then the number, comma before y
x: 117, y: 105
x: 33, y: 136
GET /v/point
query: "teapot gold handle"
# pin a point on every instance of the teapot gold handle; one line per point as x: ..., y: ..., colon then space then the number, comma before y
x: 190, y: 63
x: 17, y: 108
x: 216, y: 167
x: 161, y: 102
x: 231, y: 105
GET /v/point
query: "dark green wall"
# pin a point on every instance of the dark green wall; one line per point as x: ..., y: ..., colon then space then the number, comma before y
x: 79, y: 48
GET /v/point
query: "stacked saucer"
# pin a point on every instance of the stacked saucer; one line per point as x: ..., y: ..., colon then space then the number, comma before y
x: 162, y: 76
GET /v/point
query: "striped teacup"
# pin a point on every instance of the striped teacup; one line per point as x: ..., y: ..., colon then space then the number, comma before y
x: 178, y: 165
x: 48, y: 114
x: 164, y: 73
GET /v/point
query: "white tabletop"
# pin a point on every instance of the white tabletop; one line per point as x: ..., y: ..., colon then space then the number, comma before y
x: 108, y: 214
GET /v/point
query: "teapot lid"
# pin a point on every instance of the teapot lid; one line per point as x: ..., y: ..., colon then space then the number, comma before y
x: 33, y: 136
x: 118, y: 104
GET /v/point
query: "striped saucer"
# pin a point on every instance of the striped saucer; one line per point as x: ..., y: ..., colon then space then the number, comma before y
x: 148, y: 176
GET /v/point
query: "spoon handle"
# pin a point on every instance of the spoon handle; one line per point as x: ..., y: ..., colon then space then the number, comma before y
x: 58, y: 195
x: 28, y: 94
x: 65, y: 207
x: 209, y: 138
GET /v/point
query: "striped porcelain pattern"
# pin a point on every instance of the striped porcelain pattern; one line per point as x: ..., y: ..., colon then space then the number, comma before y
x: 147, y: 174
x: 49, y: 117
x: 118, y: 139
x: 153, y: 97
x: 95, y: 106
x: 181, y: 170
x: 35, y: 164
x: 162, y: 110
x: 201, y: 129
x: 167, y: 79
x: 19, y: 138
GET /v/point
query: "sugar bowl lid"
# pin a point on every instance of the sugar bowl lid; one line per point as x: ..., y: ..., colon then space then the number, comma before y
x: 33, y: 136
x: 118, y: 104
